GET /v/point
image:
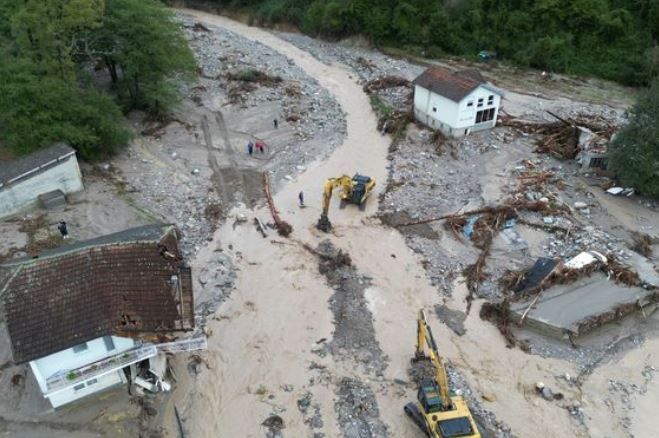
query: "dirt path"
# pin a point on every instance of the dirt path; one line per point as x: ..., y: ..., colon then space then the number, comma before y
x: 260, y: 350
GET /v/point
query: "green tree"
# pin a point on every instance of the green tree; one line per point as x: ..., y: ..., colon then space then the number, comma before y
x: 634, y: 152
x: 37, y: 110
x: 144, y: 52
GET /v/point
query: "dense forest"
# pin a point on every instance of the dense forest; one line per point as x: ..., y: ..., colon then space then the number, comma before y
x: 70, y: 69
x: 612, y: 39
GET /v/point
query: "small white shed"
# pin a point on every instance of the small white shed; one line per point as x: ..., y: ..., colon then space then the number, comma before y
x: 456, y: 103
x: 23, y: 180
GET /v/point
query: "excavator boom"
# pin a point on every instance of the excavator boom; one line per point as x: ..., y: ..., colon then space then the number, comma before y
x: 425, y: 338
x: 436, y: 413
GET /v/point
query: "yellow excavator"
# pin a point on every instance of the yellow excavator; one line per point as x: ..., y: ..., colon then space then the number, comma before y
x: 353, y: 190
x: 437, y: 413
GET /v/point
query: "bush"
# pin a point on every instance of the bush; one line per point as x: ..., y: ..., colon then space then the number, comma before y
x: 634, y: 152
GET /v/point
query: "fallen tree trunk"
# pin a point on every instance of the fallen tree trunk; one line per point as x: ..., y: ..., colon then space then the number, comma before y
x: 283, y: 227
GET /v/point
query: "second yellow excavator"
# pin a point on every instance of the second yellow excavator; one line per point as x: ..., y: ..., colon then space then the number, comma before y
x: 437, y: 413
x: 353, y: 190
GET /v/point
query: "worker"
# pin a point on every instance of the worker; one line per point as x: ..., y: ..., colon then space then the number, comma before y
x: 260, y: 146
x: 276, y: 123
x: 250, y: 147
x: 300, y: 196
x: 63, y: 230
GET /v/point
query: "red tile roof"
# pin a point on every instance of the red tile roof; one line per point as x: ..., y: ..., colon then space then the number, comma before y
x: 455, y: 86
x: 123, y: 288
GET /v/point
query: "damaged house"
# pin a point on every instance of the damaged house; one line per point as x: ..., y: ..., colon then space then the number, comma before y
x: 99, y: 313
x: 455, y: 103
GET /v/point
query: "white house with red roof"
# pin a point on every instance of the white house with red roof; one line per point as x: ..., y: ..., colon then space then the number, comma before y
x: 455, y: 103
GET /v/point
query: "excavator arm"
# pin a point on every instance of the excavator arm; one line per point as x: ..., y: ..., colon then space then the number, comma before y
x: 426, y: 339
x: 345, y: 184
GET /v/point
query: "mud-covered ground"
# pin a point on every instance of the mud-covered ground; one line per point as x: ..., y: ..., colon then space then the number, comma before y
x: 300, y: 347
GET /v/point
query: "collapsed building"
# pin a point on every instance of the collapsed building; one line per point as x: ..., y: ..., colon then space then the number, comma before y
x: 100, y: 313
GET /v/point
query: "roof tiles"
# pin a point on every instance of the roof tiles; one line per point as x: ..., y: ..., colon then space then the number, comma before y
x: 120, y: 288
x: 455, y: 86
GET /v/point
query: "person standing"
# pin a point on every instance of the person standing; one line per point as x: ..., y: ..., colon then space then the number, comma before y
x: 300, y: 196
x: 260, y: 146
x: 63, y: 230
x: 250, y: 147
x: 276, y: 123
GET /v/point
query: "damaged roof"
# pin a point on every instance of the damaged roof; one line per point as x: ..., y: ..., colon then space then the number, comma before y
x: 452, y: 85
x: 14, y: 169
x: 125, y: 284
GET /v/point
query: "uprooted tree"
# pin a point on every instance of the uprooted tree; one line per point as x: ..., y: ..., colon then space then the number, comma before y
x: 634, y: 152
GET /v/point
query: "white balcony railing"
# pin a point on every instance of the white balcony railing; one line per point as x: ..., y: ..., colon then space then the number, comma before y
x: 100, y: 367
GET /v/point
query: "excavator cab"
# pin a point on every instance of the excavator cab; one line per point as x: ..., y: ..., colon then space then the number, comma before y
x: 429, y: 396
x: 360, y: 188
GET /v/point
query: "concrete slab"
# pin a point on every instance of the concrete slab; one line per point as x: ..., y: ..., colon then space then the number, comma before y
x: 576, y: 308
x: 646, y: 269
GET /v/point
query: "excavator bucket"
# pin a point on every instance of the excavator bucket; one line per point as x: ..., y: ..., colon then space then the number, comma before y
x: 324, y: 224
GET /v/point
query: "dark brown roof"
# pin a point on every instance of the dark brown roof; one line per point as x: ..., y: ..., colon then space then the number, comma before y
x: 454, y: 86
x: 124, y: 288
x: 11, y: 170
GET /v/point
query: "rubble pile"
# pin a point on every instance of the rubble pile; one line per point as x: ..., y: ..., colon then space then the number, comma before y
x: 357, y: 410
x: 249, y: 75
x: 563, y: 138
x: 354, y: 334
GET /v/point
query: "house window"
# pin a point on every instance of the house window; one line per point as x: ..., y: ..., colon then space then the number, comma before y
x: 79, y: 386
x: 434, y: 109
x: 485, y: 115
x: 92, y: 382
x: 490, y: 100
x: 109, y: 343
x: 470, y: 103
x: 80, y: 348
x: 480, y: 102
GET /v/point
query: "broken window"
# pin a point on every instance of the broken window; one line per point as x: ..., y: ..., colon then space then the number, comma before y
x: 80, y: 348
x: 480, y: 102
x: 109, y: 343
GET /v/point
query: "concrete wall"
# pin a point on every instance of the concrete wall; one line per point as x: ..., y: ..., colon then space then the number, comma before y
x: 23, y: 194
x: 454, y: 119
x: 66, y: 360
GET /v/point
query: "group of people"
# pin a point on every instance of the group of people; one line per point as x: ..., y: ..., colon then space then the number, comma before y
x: 259, y: 145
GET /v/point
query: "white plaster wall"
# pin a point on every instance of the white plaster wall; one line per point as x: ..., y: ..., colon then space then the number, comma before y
x: 445, y: 114
x: 467, y: 115
x: 101, y: 383
x: 64, y: 176
x: 66, y: 360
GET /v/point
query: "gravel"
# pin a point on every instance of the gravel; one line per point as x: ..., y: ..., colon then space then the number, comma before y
x: 357, y: 411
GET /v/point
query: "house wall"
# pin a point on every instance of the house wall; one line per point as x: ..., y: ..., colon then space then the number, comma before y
x: 450, y: 117
x: 66, y: 360
x: 23, y: 194
x: 467, y: 114
x: 86, y: 388
x: 434, y: 110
